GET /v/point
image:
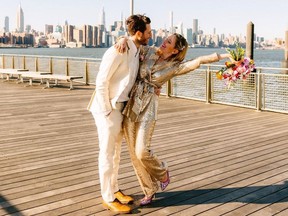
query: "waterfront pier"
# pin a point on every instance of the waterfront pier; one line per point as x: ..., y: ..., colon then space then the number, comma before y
x: 223, y: 160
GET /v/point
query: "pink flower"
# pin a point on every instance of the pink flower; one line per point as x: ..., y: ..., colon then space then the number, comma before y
x: 239, y: 69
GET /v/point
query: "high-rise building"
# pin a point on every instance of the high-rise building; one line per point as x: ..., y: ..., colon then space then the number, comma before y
x: 179, y: 28
x: 153, y: 38
x: 68, y: 33
x: 87, y: 35
x: 20, y: 20
x: 100, y: 34
x: 102, y: 18
x: 48, y: 29
x: 188, y: 35
x: 78, y: 35
x: 195, y: 31
x: 6, y: 24
x: 215, y: 40
x: 58, y: 29
x: 171, y: 23
x: 118, y: 26
x: 95, y: 36
x: 28, y: 28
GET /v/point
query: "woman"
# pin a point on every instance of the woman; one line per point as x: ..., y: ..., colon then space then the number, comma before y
x: 157, y: 66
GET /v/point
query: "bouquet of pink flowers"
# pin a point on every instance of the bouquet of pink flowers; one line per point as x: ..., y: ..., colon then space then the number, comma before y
x: 239, y: 68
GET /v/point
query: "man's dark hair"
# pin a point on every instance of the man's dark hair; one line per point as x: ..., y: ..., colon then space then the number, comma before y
x: 136, y: 23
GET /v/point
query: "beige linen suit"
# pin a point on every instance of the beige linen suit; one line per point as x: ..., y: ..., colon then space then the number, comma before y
x: 114, y: 81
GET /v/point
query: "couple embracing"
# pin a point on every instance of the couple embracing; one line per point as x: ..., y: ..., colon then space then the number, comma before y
x: 125, y: 102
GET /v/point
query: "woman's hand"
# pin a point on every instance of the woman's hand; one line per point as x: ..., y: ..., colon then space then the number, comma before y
x: 157, y: 91
x: 121, y: 44
x: 225, y: 55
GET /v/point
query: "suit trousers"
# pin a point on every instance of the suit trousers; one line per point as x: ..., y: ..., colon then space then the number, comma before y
x: 109, y: 130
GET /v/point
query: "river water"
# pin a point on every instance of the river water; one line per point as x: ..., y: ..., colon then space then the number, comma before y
x: 263, y: 58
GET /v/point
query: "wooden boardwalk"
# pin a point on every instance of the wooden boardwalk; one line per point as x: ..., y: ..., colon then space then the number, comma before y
x: 223, y: 160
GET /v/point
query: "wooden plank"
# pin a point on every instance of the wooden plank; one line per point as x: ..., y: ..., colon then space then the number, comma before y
x: 219, y: 156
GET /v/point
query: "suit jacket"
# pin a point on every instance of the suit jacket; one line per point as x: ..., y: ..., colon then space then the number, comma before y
x: 114, y: 75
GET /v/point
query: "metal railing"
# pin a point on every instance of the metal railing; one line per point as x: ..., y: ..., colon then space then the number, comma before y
x: 261, y: 91
x: 86, y: 67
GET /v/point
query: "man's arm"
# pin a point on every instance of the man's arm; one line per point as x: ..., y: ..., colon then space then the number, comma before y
x: 110, y: 62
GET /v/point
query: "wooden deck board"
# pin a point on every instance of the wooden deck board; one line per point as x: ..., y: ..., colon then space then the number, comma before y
x: 223, y: 160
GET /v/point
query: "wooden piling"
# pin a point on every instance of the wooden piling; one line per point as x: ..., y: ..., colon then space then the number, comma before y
x: 250, y: 40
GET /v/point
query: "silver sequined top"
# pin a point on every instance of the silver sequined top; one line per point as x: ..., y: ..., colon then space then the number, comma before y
x: 143, y: 102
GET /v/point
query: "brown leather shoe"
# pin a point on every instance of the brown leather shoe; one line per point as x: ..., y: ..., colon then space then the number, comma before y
x: 124, y: 199
x: 116, y: 207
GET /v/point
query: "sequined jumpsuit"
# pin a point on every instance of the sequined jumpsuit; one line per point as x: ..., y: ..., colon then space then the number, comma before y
x: 140, y: 114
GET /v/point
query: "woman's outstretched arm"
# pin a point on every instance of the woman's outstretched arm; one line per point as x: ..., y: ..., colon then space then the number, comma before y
x: 191, y: 65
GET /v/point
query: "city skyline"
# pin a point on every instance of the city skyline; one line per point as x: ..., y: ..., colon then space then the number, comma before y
x: 231, y: 17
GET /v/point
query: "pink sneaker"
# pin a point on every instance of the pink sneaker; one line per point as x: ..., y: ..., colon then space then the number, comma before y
x: 163, y: 185
x: 147, y: 200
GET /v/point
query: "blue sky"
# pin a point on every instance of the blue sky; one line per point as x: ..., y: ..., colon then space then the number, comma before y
x: 270, y: 17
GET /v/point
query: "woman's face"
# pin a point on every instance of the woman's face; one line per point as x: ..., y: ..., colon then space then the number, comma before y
x: 168, y: 45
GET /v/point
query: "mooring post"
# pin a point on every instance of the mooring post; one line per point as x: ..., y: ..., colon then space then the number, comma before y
x: 250, y: 40
x: 131, y: 7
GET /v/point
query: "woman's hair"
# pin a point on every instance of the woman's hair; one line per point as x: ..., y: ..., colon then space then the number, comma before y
x: 181, y: 45
x: 136, y: 23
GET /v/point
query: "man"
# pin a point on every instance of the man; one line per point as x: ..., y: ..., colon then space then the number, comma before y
x: 114, y: 81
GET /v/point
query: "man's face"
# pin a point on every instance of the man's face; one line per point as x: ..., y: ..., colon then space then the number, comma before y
x: 144, y: 39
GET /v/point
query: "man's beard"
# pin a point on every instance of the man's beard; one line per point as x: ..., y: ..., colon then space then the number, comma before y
x: 143, y: 42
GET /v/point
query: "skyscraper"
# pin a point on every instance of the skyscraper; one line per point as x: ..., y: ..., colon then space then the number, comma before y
x: 68, y: 33
x: 179, y: 29
x: 6, y: 24
x: 48, y: 29
x: 95, y: 35
x: 20, y: 20
x: 195, y: 31
x: 171, y: 22
x: 58, y: 28
x: 102, y: 18
x: 28, y: 28
x: 188, y: 35
x: 87, y: 35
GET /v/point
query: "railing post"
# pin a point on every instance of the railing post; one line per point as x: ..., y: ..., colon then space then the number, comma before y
x: 36, y: 64
x: 208, y: 85
x: 50, y: 66
x: 13, y: 63
x: 259, y: 90
x: 86, y: 72
x: 24, y: 62
x: 67, y: 67
x: 3, y: 61
x: 168, y: 88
